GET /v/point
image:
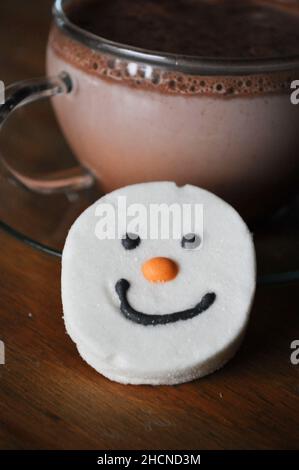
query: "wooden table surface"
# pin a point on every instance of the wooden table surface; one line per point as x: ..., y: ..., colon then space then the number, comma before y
x: 50, y: 399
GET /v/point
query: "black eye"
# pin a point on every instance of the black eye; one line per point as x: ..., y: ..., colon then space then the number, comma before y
x: 130, y: 241
x: 191, y: 241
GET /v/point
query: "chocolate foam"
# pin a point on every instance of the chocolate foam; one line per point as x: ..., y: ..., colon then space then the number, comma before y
x: 142, y: 76
x: 202, y: 28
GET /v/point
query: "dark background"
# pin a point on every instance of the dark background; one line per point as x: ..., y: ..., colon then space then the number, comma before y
x: 23, y: 37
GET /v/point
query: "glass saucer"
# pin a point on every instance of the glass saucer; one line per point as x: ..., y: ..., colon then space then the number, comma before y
x: 43, y: 220
x: 32, y: 143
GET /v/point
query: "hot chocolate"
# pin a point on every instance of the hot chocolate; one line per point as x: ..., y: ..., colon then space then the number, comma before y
x: 206, y: 28
x: 130, y: 121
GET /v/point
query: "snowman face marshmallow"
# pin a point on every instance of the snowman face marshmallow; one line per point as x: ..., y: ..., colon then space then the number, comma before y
x: 159, y: 311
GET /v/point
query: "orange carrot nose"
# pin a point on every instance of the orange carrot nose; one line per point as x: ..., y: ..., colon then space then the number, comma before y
x: 160, y: 269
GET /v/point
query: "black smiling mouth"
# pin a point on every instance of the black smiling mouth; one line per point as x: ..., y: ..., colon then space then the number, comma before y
x: 130, y: 313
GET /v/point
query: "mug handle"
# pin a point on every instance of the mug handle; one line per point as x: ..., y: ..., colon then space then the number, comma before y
x: 23, y: 93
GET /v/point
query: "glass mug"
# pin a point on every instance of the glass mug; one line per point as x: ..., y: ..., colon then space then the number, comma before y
x: 132, y: 115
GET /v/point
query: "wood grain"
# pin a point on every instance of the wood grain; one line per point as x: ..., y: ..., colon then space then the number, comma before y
x: 50, y: 399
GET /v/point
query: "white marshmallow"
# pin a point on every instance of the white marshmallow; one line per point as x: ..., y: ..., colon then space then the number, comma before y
x: 171, y: 353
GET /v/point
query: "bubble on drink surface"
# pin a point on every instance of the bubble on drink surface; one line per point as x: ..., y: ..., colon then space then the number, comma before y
x: 167, y: 81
